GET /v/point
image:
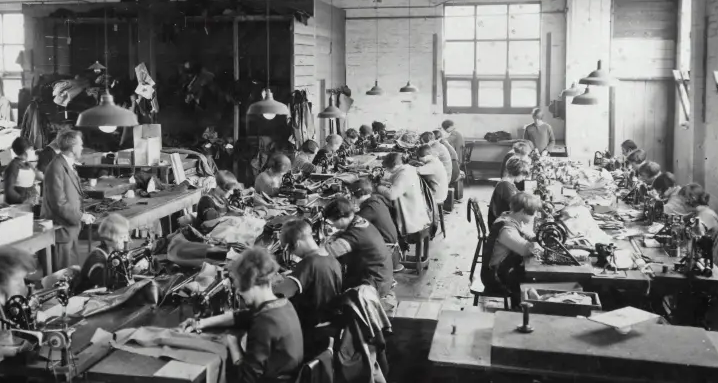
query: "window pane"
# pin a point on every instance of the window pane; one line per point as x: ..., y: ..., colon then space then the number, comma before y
x: 524, y: 57
x: 459, y: 28
x: 491, y: 94
x: 10, y: 55
x: 12, y: 29
x: 452, y: 10
x: 458, y: 93
x: 525, y: 26
x: 491, y: 58
x: 524, y: 94
x: 12, y: 88
x: 491, y: 22
x: 524, y: 8
x: 459, y: 58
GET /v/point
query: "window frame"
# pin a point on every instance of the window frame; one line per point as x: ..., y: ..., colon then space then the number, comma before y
x: 11, y: 75
x: 476, y: 79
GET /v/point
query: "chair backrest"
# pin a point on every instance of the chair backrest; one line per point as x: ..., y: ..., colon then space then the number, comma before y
x: 472, y: 208
x: 468, y: 149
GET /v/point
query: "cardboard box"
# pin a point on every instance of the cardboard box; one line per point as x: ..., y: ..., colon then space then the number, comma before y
x: 18, y: 227
x: 147, y: 144
x: 124, y: 157
x: 562, y: 309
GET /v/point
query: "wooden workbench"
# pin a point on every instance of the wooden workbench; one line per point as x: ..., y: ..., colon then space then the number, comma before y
x: 469, y: 347
x: 41, y: 241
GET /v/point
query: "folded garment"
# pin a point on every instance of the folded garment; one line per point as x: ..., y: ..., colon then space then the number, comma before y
x: 144, y: 291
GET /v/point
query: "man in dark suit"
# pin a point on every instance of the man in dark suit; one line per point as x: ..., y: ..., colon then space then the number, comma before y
x: 62, y: 199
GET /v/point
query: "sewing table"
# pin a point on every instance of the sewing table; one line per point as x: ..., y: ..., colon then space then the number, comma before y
x: 146, y: 212
x: 41, y: 240
x: 575, y: 349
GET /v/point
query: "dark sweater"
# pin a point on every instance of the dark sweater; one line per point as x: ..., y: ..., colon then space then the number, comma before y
x: 376, y: 211
x: 94, y: 271
x: 275, y: 345
x: 210, y: 207
x: 369, y: 262
x: 500, y: 200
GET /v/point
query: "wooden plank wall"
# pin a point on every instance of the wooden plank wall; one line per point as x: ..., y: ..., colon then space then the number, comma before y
x: 304, y: 56
x: 643, y: 53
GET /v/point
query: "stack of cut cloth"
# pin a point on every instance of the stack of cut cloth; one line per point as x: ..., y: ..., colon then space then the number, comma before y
x: 595, y: 183
x: 209, y: 351
x: 580, y: 223
x: 608, y: 221
x: 572, y: 297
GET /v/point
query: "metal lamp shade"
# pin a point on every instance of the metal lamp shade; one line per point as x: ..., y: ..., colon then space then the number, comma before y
x: 585, y: 99
x: 409, y: 88
x: 97, y: 67
x: 268, y: 106
x: 107, y: 114
x: 599, y: 77
x: 573, y: 91
x: 375, y: 90
x: 331, y: 111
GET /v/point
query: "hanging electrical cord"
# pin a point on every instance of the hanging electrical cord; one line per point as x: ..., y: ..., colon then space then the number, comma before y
x: 408, y: 88
x: 376, y: 89
x: 331, y: 111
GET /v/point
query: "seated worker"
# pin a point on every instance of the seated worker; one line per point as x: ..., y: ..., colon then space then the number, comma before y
x: 375, y: 208
x: 636, y: 159
x: 215, y: 204
x: 275, y: 345
x: 114, y: 232
x: 439, y: 151
x: 360, y: 247
x: 455, y: 170
x: 270, y: 180
x: 15, y: 265
x: 314, y: 283
x: 350, y: 139
x: 404, y: 188
x: 696, y: 198
x: 520, y: 149
x: 433, y: 172
x: 627, y: 147
x: 648, y: 172
x: 539, y: 133
x: 379, y: 130
x: 667, y: 190
x: 367, y: 138
x: 509, y: 245
x: 19, y: 176
x: 334, y: 142
x: 516, y: 171
x: 303, y: 159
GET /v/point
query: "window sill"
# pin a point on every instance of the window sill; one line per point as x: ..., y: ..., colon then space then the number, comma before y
x: 458, y: 110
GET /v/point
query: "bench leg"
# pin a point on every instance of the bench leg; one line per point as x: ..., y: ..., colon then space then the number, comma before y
x: 476, y: 299
x: 419, y: 257
x: 47, y: 255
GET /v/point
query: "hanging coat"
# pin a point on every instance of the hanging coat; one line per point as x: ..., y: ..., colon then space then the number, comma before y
x: 302, y: 119
x: 33, y: 126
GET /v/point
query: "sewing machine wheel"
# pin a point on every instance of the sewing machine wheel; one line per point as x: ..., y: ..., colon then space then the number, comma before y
x: 18, y: 310
x: 57, y: 340
x: 551, y: 235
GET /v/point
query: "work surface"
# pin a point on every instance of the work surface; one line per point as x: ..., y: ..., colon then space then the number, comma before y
x: 574, y: 347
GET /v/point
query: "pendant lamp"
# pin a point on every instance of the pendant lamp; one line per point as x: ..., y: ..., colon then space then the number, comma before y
x: 599, y: 77
x: 107, y: 116
x: 268, y: 107
x: 408, y: 88
x: 331, y: 111
x: 376, y: 89
x: 573, y: 91
x: 97, y: 67
x: 585, y: 99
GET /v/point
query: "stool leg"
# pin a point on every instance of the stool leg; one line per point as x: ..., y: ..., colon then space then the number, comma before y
x: 476, y: 258
x: 419, y: 257
x: 441, y: 219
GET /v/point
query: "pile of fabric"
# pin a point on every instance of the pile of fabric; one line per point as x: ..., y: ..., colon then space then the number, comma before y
x: 572, y: 297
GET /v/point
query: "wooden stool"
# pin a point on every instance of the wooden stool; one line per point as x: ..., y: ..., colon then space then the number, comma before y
x: 449, y: 201
x: 458, y: 188
x: 440, y: 208
x: 421, y: 257
x: 477, y: 288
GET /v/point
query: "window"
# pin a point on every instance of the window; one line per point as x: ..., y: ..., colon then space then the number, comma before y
x: 492, y: 58
x: 12, y: 42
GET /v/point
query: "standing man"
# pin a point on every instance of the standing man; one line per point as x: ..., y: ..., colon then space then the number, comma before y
x: 540, y: 133
x: 455, y: 139
x: 62, y: 199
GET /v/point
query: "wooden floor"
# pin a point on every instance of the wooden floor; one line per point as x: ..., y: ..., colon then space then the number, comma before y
x: 447, y: 279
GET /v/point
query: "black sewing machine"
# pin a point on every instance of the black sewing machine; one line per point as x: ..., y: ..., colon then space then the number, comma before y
x: 341, y: 158
x: 673, y: 235
x: 121, y: 264
x: 552, y: 236
x: 637, y: 195
x: 239, y: 201
x: 627, y: 181
x: 653, y: 210
x: 377, y: 174
x: 699, y: 260
x: 605, y: 160
x: 216, y: 299
x: 21, y: 311
x: 325, y: 164
x: 292, y: 189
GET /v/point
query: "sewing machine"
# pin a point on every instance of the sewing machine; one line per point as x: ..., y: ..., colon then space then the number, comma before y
x: 121, y: 264
x: 21, y: 317
x: 552, y: 236
x: 377, y: 174
x: 653, y: 210
x: 217, y: 298
x: 673, y: 235
x: 238, y: 200
x: 637, y: 195
x: 699, y: 260
x: 292, y: 189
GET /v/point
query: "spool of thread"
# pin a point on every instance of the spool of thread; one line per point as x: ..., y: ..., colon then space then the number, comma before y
x: 665, y: 269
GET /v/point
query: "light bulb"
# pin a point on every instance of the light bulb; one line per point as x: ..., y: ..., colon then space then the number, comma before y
x: 108, y: 129
x: 269, y: 116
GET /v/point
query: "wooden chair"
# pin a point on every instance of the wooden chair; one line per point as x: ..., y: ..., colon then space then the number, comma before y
x: 472, y: 208
x: 468, y: 150
x: 440, y: 208
x: 477, y: 289
x: 422, y: 241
